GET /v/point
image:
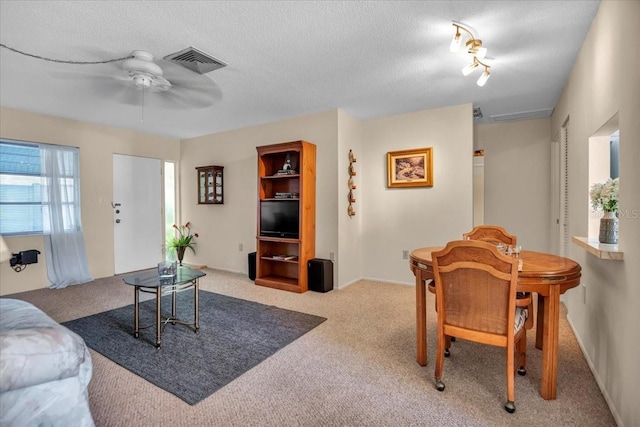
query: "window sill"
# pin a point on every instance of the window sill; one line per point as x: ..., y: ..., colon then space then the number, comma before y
x: 600, y: 250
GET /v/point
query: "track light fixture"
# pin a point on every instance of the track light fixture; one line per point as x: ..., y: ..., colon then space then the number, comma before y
x: 475, y: 49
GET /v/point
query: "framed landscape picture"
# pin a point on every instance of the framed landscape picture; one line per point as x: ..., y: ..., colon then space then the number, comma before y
x: 410, y: 168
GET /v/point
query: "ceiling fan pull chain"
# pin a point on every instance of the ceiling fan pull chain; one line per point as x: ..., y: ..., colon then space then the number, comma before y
x: 142, y: 106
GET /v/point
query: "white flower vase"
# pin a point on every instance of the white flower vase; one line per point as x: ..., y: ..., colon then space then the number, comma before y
x: 609, y: 228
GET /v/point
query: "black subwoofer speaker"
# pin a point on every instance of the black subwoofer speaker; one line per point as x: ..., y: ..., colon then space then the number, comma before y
x: 320, y: 274
x: 252, y: 265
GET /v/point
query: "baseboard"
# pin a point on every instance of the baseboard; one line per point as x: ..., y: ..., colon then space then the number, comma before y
x: 603, y: 390
x: 394, y: 282
x: 348, y: 283
x: 194, y: 266
x: 245, y: 273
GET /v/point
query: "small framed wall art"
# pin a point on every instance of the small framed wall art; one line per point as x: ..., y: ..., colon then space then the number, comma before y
x: 410, y: 168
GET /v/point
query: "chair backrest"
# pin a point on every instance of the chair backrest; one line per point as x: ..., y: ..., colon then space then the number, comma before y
x: 491, y: 233
x: 476, y: 291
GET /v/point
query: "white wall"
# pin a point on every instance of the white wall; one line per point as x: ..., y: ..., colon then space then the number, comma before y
x: 349, y: 228
x: 599, y: 172
x: 478, y: 190
x: 369, y: 244
x: 223, y: 228
x: 603, y: 82
x: 397, y: 219
x: 97, y: 145
x: 387, y: 221
x: 517, y: 177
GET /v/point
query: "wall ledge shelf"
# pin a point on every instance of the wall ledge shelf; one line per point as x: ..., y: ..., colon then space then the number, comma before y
x: 600, y: 250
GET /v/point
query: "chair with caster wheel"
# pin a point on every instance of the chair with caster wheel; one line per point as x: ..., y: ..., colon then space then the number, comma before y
x: 476, y: 301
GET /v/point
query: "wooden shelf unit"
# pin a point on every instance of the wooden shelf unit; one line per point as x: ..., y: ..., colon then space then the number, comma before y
x: 287, y: 274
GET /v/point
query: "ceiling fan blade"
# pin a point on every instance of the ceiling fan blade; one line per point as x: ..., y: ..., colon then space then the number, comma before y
x: 160, y: 84
x: 193, y: 89
x: 128, y: 95
x: 123, y: 78
x: 66, y: 71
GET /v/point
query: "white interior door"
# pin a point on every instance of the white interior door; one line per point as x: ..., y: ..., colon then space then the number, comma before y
x: 137, y: 213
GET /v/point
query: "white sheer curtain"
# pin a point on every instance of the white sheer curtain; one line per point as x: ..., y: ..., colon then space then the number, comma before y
x: 62, y: 228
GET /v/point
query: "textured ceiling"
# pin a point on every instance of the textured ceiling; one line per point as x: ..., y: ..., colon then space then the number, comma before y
x: 285, y: 59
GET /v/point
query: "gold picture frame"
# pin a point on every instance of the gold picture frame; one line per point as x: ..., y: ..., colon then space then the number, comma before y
x: 410, y: 168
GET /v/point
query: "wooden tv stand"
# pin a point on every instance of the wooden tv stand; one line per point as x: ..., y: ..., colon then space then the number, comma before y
x: 274, y: 267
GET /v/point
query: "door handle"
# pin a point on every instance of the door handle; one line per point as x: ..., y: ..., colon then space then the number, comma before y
x: 118, y: 221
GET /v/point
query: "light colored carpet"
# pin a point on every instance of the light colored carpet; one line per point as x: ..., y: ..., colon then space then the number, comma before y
x: 356, y: 369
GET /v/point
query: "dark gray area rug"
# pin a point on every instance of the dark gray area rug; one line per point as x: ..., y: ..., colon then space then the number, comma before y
x: 235, y: 335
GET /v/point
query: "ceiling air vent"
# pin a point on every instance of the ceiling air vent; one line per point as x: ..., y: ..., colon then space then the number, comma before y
x: 477, y: 113
x: 195, y: 60
x: 524, y: 115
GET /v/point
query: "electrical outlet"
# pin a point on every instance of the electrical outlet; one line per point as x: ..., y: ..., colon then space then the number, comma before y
x: 240, y: 247
x: 332, y: 256
x: 405, y: 254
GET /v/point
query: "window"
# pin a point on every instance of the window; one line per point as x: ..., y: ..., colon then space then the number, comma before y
x: 603, y: 164
x: 24, y: 200
x: 20, y: 188
x: 169, y: 203
x: 614, y: 154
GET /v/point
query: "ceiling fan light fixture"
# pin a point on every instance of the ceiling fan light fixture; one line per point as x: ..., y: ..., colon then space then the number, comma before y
x: 142, y: 81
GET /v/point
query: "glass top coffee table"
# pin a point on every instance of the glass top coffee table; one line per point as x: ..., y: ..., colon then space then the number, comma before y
x: 150, y: 282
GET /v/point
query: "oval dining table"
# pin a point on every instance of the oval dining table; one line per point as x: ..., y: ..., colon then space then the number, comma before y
x: 545, y: 274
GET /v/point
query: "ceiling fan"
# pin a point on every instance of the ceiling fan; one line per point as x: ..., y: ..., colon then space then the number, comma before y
x: 144, y: 73
x: 177, y: 81
x: 170, y: 83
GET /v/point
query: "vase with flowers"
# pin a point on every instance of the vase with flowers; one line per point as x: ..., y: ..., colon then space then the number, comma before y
x: 182, y: 240
x: 604, y: 196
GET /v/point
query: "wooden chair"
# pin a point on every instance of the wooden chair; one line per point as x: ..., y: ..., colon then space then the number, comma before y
x: 476, y: 301
x: 496, y: 234
x: 492, y: 234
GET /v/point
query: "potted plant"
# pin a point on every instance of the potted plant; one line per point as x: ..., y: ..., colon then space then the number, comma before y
x: 605, y: 197
x: 182, y: 240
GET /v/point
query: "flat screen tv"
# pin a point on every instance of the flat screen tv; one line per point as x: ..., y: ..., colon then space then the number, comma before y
x: 279, y: 218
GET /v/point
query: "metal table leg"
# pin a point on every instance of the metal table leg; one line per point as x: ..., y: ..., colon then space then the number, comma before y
x: 158, y: 317
x: 136, y: 312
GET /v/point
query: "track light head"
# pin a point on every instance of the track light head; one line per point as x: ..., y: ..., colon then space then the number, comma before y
x: 469, y: 68
x: 456, y: 42
x: 484, y: 77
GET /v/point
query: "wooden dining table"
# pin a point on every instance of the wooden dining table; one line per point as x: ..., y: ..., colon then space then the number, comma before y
x: 547, y: 275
